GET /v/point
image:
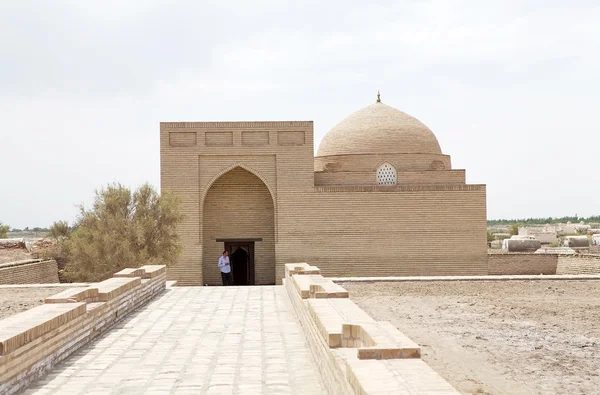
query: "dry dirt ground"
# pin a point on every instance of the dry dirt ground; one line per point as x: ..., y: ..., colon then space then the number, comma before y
x: 15, y: 300
x: 509, y: 337
x: 12, y: 255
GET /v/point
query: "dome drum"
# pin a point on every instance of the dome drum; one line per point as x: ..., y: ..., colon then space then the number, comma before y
x: 402, y: 162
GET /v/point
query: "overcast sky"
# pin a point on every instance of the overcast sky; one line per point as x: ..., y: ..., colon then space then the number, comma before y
x: 509, y: 87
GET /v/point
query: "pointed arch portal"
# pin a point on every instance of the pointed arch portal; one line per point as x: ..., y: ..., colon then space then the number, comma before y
x: 238, y: 211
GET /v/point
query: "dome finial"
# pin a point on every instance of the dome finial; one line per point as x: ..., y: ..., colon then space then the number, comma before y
x: 378, y: 97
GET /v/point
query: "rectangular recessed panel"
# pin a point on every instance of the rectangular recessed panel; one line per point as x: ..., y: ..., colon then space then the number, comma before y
x: 218, y: 139
x: 255, y: 138
x: 182, y: 139
x: 290, y: 138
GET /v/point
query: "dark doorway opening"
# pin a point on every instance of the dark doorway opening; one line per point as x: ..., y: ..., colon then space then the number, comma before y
x: 242, y: 261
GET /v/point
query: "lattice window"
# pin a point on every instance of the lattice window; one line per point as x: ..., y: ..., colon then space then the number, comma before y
x: 386, y: 175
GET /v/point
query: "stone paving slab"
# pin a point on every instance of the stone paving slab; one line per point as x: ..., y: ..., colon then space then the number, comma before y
x: 196, y: 340
x: 577, y: 277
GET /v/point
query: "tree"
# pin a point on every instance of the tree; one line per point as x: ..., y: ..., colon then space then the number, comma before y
x: 490, y: 237
x: 514, y: 229
x: 59, y: 230
x: 3, y: 230
x: 122, y: 229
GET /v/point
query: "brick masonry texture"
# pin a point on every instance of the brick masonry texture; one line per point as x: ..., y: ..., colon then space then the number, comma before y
x: 239, y: 205
x: 344, y: 227
x: 364, y: 357
x: 34, y: 341
x: 522, y: 263
x: 579, y: 264
x: 526, y: 263
x: 29, y: 272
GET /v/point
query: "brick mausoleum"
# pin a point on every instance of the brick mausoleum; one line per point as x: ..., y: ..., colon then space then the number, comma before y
x: 379, y: 199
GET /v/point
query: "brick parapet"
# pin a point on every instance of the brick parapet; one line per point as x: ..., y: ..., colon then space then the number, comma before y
x: 579, y: 264
x: 35, y: 271
x: 522, y: 263
x: 33, y: 342
x: 352, y: 350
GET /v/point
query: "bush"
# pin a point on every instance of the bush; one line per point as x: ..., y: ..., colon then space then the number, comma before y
x: 4, y: 231
x: 122, y: 229
x: 59, y: 230
x: 514, y: 229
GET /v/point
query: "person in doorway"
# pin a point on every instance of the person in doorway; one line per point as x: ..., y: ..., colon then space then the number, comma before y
x: 225, y: 267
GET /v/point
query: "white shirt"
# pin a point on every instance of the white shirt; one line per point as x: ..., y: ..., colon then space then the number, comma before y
x: 222, y: 264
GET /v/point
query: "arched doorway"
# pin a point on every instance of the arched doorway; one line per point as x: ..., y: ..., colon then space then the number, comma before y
x: 242, y: 264
x: 238, y: 215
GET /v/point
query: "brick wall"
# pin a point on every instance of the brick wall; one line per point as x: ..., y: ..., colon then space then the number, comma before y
x: 346, y: 230
x: 34, y: 341
x: 579, y: 264
x: 386, y: 231
x: 29, y: 272
x: 522, y: 263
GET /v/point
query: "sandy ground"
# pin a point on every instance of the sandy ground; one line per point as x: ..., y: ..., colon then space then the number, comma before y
x: 15, y: 300
x: 12, y: 255
x: 517, y: 337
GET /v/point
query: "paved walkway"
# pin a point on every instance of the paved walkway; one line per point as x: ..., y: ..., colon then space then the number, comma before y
x: 195, y: 340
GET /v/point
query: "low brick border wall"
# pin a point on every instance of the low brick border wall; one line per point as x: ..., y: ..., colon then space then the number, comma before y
x: 327, y: 364
x: 34, y: 341
x: 547, y: 264
x: 522, y: 264
x: 33, y: 271
x: 354, y: 353
x: 578, y: 264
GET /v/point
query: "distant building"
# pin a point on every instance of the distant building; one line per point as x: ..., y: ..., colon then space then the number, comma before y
x: 521, y: 244
x: 577, y: 242
x: 546, y: 234
x: 365, y: 205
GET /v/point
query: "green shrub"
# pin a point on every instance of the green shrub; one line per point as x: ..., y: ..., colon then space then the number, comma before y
x: 4, y: 231
x: 122, y: 229
x: 514, y: 229
x: 59, y: 230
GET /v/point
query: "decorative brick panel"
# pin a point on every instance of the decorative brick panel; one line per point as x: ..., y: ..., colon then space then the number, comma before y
x: 218, y: 139
x: 182, y: 139
x: 255, y: 138
x: 290, y: 138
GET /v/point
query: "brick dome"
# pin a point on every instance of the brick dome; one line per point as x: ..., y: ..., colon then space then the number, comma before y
x: 379, y: 129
